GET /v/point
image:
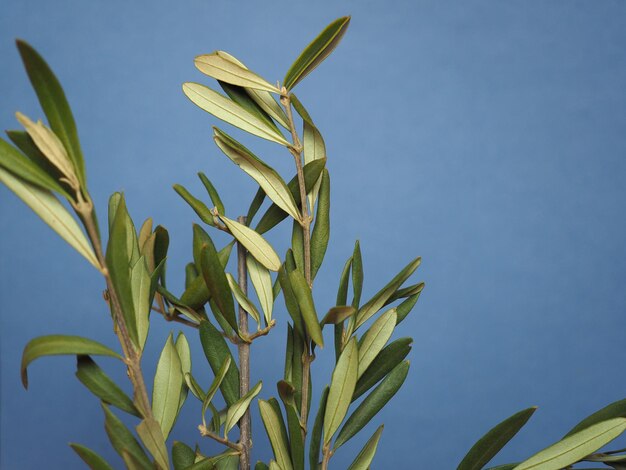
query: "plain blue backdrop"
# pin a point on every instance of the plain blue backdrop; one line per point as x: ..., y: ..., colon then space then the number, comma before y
x: 489, y: 137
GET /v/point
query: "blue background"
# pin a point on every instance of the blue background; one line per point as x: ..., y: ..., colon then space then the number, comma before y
x: 488, y: 137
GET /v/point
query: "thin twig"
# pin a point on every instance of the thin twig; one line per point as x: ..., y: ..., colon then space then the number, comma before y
x: 206, y: 433
x: 175, y: 318
x: 245, y: 425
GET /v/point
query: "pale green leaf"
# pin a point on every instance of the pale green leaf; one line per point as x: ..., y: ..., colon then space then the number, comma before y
x: 341, y: 388
x: 151, y: 435
x: 242, y: 299
x: 272, y: 423
x: 254, y: 243
x: 376, y: 338
x: 140, y: 285
x: 229, y: 111
x: 262, y: 283
x: 573, y: 448
x: 219, y: 66
x: 363, y: 461
x: 52, y: 212
x: 237, y: 410
x: 304, y: 297
x: 168, y: 382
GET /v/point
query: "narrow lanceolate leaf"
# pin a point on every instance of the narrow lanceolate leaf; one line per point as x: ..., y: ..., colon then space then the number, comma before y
x: 123, y: 440
x: 338, y: 314
x: 271, y: 182
x: 373, y: 403
x: 379, y: 299
x: 341, y: 389
x: 168, y: 382
x: 184, y: 354
x: 264, y: 100
x: 140, y: 286
x: 290, y: 300
x: 363, y: 461
x: 102, y: 386
x: 321, y: 231
x: 575, y: 447
x: 52, y: 212
x: 216, y: 282
x: 213, y: 194
x: 406, y: 306
x: 272, y: 423
x: 255, y: 205
x: 93, y: 460
x: 197, y: 205
x: 54, y: 104
x: 152, y: 437
x: 304, y: 297
x: 119, y: 259
x: 357, y: 275
x: 316, y: 51
x: 183, y: 456
x: 58, y: 345
x: 217, y: 382
x: 274, y: 214
x: 218, y: 66
x: 216, y: 351
x: 242, y: 299
x: 316, y: 433
x: 229, y: 111
x: 614, y: 410
x: 237, y: 410
x: 296, y: 444
x: 26, y: 170
x: 262, y: 283
x: 243, y: 97
x: 491, y: 443
x: 385, y: 362
x: 254, y: 243
x: 375, y: 339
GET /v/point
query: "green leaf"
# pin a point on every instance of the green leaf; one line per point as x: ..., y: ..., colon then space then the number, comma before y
x: 262, y: 283
x: 217, y: 382
x: 184, y: 354
x: 266, y: 177
x: 229, y: 111
x: 385, y: 362
x: 101, y: 385
x: 242, y: 299
x: 373, y: 403
x: 316, y: 433
x: 341, y: 389
x: 194, y: 386
x: 52, y: 212
x: 405, y: 307
x: 255, y: 205
x: 213, y: 194
x: 290, y: 300
x: 216, y: 282
x: 123, y: 440
x: 243, y: 97
x: 274, y: 214
x: 118, y: 260
x: 140, y: 286
x: 57, y: 345
x: 344, y: 279
x: 237, y: 410
x: 254, y: 243
x: 54, y: 104
x: 168, y: 382
x: 614, y: 410
x: 321, y: 231
x: 379, y: 299
x: 26, y: 170
x: 220, y: 67
x: 316, y: 51
x: 151, y: 435
x: 93, y: 460
x: 304, y: 297
x: 273, y: 424
x: 197, y: 205
x: 575, y: 447
x: 491, y: 443
x: 338, y: 314
x: 216, y: 351
x: 375, y: 339
x: 405, y: 292
x: 183, y: 456
x: 365, y: 457
x: 357, y: 274
x: 261, y: 466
